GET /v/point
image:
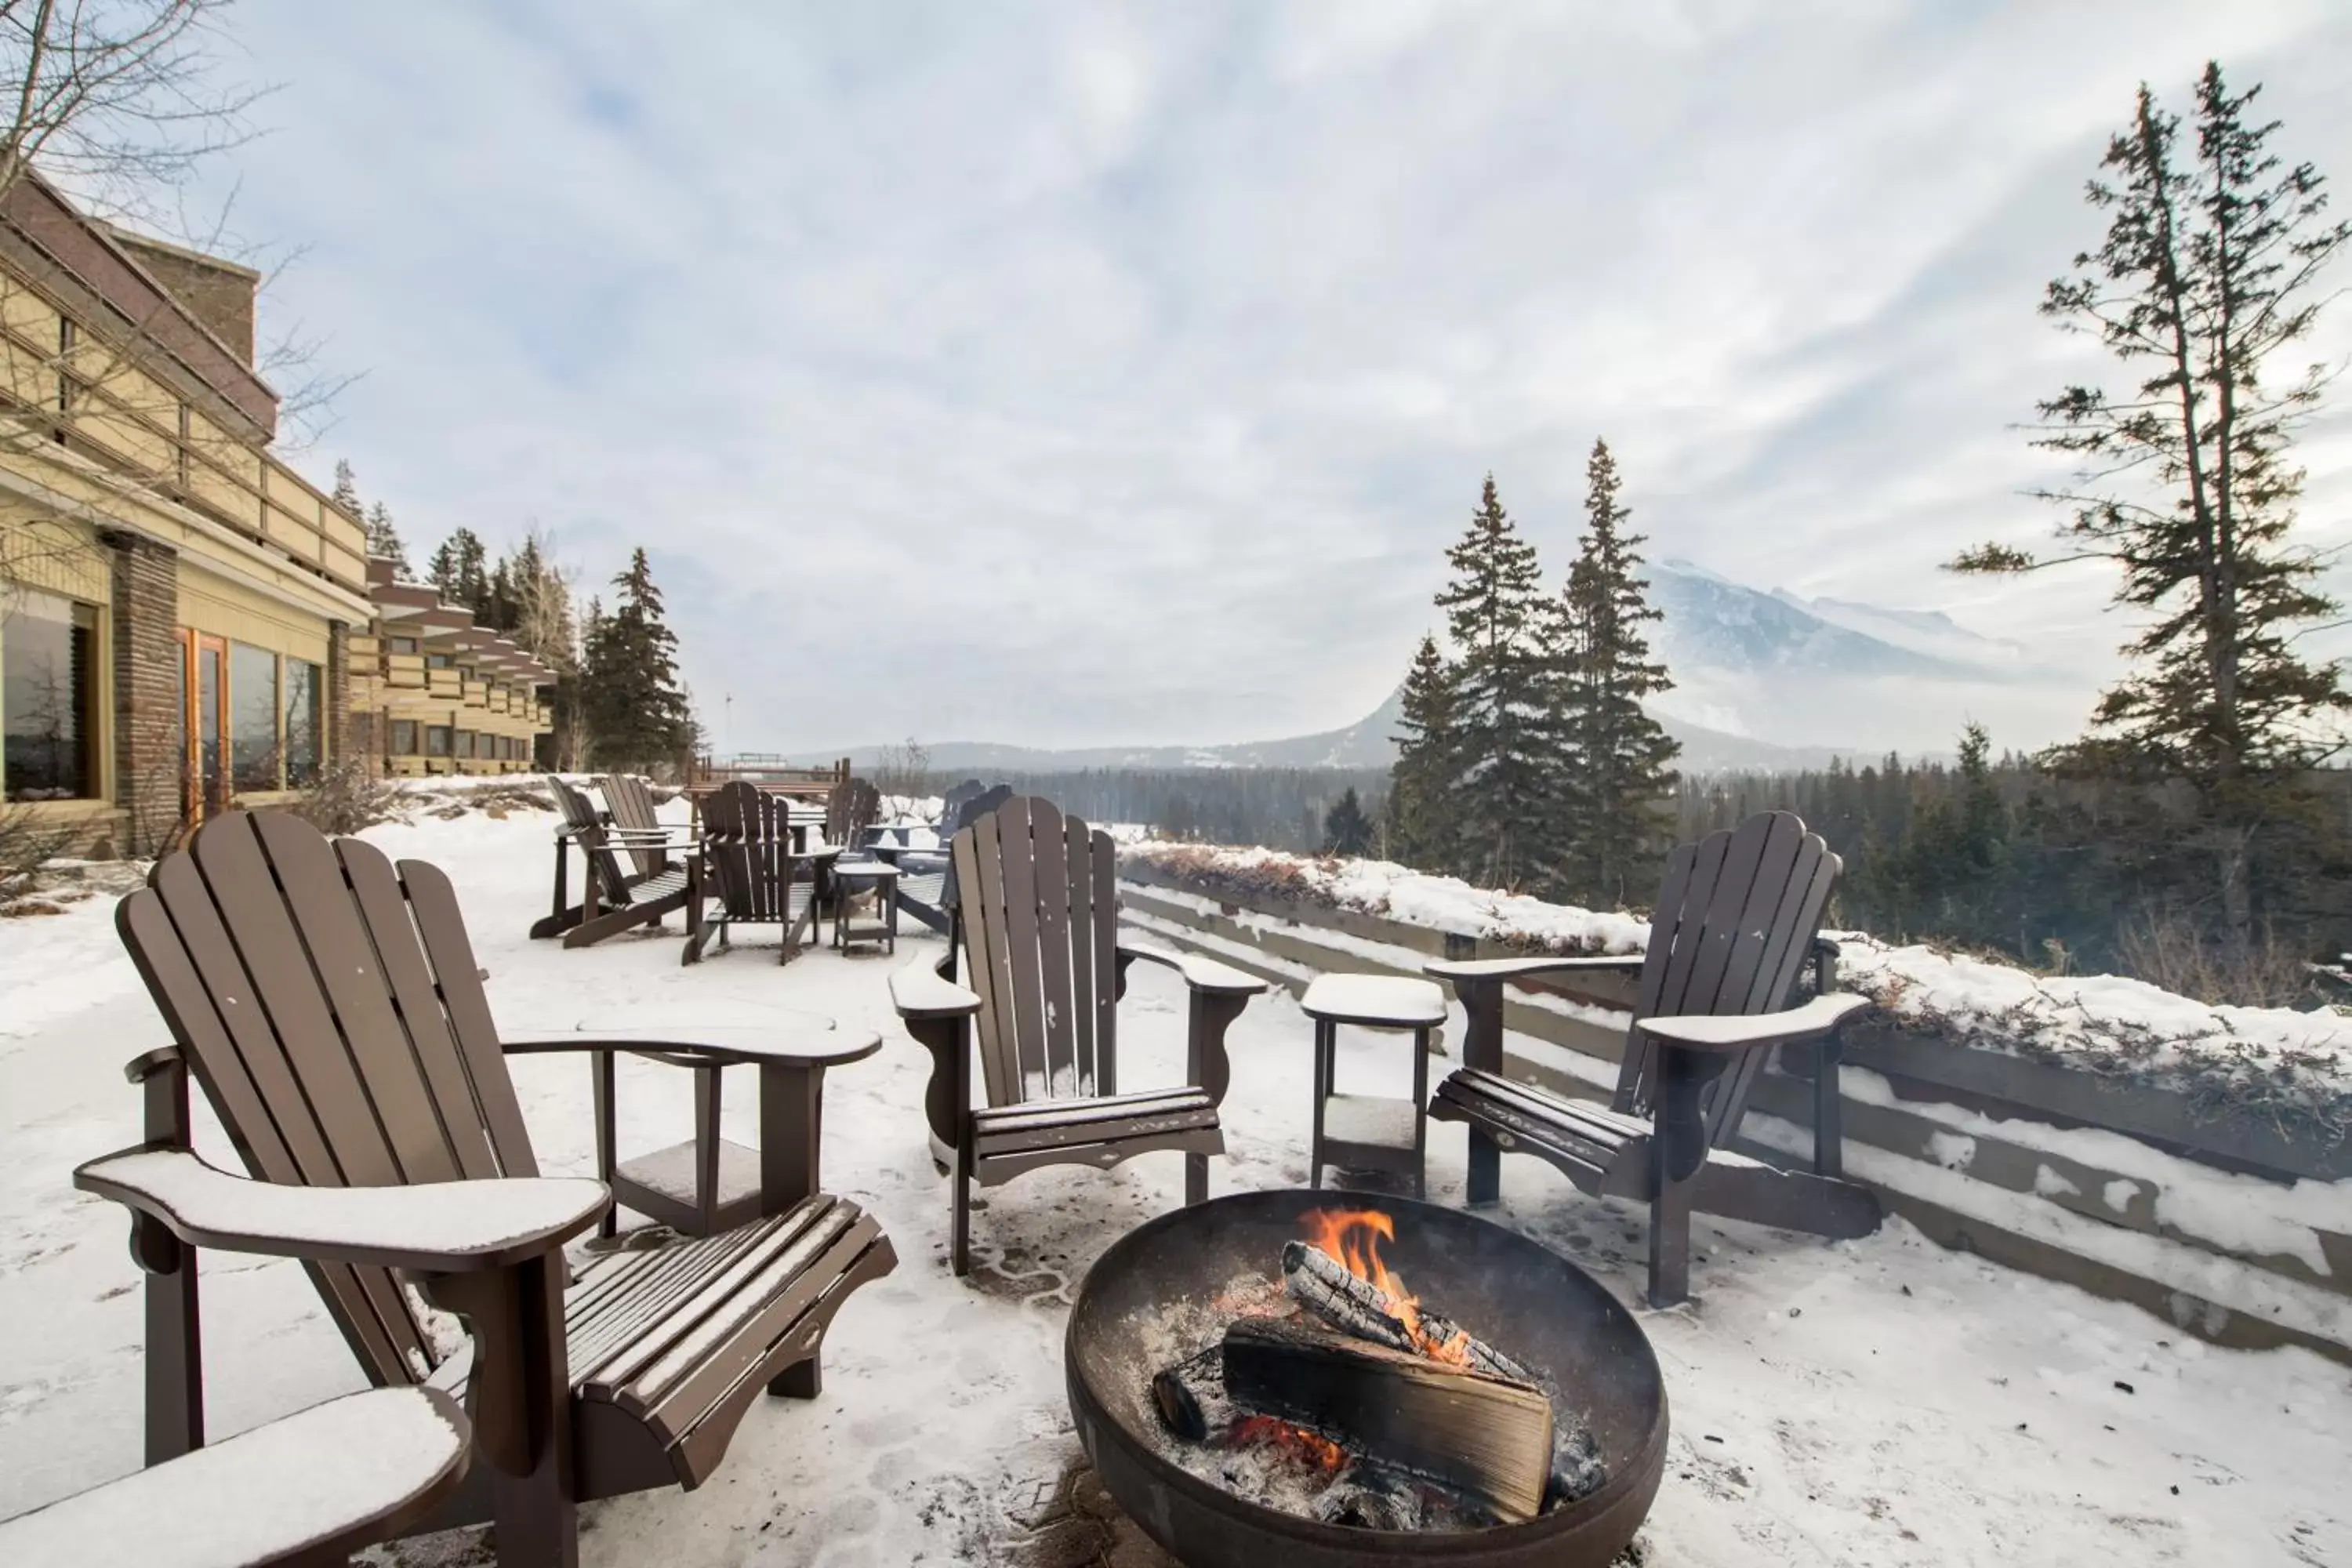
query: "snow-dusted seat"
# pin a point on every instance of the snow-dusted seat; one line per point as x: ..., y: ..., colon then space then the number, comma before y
x: 1736, y: 921
x: 1035, y: 921
x: 329, y: 1004
x: 313, y: 1487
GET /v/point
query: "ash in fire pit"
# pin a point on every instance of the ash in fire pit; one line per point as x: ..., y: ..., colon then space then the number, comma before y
x: 1322, y: 1388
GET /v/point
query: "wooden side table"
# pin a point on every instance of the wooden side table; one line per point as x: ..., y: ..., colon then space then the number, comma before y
x: 709, y: 1184
x: 1370, y: 1132
x: 881, y: 878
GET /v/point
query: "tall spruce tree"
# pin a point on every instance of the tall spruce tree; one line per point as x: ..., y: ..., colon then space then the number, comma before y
x: 637, y: 715
x: 2210, y: 266
x: 1424, y: 824
x: 346, y: 494
x: 1504, y: 627
x: 1345, y: 829
x: 383, y: 540
x: 460, y: 569
x: 1618, y: 785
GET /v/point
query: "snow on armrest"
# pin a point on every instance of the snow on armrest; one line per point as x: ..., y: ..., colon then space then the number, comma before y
x: 326, y: 1480
x: 1200, y: 973
x: 919, y: 992
x: 1519, y: 968
x: 1732, y: 1032
x: 433, y: 1228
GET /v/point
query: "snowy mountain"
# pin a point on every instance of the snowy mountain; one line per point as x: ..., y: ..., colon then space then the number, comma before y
x: 1766, y: 680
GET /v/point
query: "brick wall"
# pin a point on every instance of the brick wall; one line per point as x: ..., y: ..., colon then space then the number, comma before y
x: 344, y: 737
x: 148, y: 760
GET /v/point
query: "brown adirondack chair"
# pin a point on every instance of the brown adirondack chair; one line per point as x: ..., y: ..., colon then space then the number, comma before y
x: 630, y: 805
x: 612, y: 899
x: 1043, y: 968
x: 311, y: 1487
x: 328, y: 1003
x: 927, y: 888
x: 849, y: 813
x: 758, y: 867
x: 1736, y: 921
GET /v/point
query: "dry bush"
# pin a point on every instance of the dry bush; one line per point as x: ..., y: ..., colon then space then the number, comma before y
x: 26, y: 840
x: 2169, y: 948
x: 346, y: 798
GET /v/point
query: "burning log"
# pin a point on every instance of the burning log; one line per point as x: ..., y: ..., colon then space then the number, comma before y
x: 1486, y: 1438
x: 1327, y: 1288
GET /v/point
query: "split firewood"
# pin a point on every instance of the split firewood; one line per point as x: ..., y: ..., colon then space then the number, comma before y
x: 1486, y: 1438
x: 1327, y: 1288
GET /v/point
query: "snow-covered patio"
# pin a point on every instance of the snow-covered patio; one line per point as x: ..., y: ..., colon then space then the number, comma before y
x: 1883, y: 1401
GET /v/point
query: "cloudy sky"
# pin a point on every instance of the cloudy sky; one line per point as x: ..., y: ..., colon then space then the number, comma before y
x: 1099, y: 373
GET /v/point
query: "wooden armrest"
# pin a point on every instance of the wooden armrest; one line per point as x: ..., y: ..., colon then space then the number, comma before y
x: 723, y: 1043
x: 1740, y: 1032
x: 1522, y: 968
x: 919, y: 991
x: 432, y: 1228
x: 147, y: 1064
x: 1200, y: 973
x: 311, y: 1486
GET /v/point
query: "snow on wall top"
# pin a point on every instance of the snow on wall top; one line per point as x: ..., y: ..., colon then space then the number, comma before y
x: 2265, y: 1059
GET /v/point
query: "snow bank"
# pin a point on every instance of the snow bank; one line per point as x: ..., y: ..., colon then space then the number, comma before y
x: 2265, y: 1060
x: 1385, y: 888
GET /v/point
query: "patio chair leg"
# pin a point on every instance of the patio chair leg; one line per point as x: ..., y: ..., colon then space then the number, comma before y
x: 801, y: 1380
x: 1196, y: 1179
x: 1485, y: 1184
x: 960, y: 1234
x: 1678, y: 1153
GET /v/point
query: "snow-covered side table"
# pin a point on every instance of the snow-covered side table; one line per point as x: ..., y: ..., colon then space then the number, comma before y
x: 1370, y: 1132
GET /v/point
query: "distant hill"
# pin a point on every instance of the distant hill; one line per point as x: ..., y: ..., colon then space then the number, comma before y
x: 1763, y: 681
x: 1366, y: 744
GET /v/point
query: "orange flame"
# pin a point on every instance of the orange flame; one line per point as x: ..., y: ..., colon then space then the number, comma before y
x: 1354, y: 1238
x: 1315, y: 1449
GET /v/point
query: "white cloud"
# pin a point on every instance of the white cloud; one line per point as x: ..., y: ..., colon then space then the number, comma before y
x: 1066, y: 373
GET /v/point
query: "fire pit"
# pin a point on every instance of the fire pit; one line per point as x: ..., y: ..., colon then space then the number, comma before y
x: 1362, y: 1426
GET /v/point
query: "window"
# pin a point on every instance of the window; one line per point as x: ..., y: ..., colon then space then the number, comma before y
x: 48, y: 656
x: 254, y: 758
x: 466, y: 743
x: 304, y: 691
x: 400, y: 645
x: 436, y: 661
x: 404, y: 737
x: 437, y: 739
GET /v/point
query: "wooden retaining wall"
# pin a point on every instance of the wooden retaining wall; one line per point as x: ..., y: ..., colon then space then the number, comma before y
x: 1969, y: 1146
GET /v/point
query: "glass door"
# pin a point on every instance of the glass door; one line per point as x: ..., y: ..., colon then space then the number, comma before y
x: 204, y: 685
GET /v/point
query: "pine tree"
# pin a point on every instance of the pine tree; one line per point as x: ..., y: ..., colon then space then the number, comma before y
x: 383, y: 540
x: 1345, y: 829
x: 2209, y: 265
x: 1617, y: 783
x: 459, y: 568
x: 637, y: 715
x: 347, y: 491
x: 1503, y: 624
x: 1422, y: 808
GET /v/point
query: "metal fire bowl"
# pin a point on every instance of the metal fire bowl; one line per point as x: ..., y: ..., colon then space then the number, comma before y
x: 1520, y: 1296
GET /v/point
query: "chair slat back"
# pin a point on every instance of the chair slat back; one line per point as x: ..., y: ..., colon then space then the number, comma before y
x: 632, y: 805
x: 1036, y: 922
x: 747, y: 847
x: 1735, y: 922
x: 329, y: 1004
x: 967, y: 810
x: 588, y: 831
x: 849, y: 811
